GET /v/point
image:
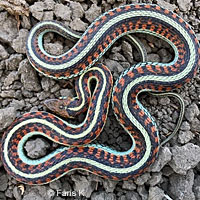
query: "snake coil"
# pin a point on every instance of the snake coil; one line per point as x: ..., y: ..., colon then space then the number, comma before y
x: 134, y: 118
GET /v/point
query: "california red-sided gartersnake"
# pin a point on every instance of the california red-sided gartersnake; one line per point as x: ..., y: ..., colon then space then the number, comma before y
x: 134, y: 118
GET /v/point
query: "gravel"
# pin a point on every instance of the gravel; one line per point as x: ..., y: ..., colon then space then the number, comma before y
x: 163, y: 158
x: 63, y: 12
x: 175, y: 173
x: 184, y: 184
x: 3, y: 181
x: 29, y: 77
x: 3, y: 53
x: 156, y: 193
x: 185, y: 158
x: 19, y: 43
x: 7, y: 115
x: 8, y: 30
x: 36, y: 148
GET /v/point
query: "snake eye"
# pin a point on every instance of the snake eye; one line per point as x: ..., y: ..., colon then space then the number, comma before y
x: 61, y: 107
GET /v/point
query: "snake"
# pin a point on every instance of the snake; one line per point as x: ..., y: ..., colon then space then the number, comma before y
x: 81, y: 63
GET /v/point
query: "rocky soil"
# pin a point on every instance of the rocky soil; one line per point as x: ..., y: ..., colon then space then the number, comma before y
x: 176, y: 172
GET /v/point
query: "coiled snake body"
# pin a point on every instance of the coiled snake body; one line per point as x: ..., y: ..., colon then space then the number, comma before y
x: 134, y: 118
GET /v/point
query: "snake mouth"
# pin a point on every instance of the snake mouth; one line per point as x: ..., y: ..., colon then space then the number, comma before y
x: 58, y: 106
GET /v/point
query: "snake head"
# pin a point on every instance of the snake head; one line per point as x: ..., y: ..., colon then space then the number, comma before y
x: 58, y: 106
